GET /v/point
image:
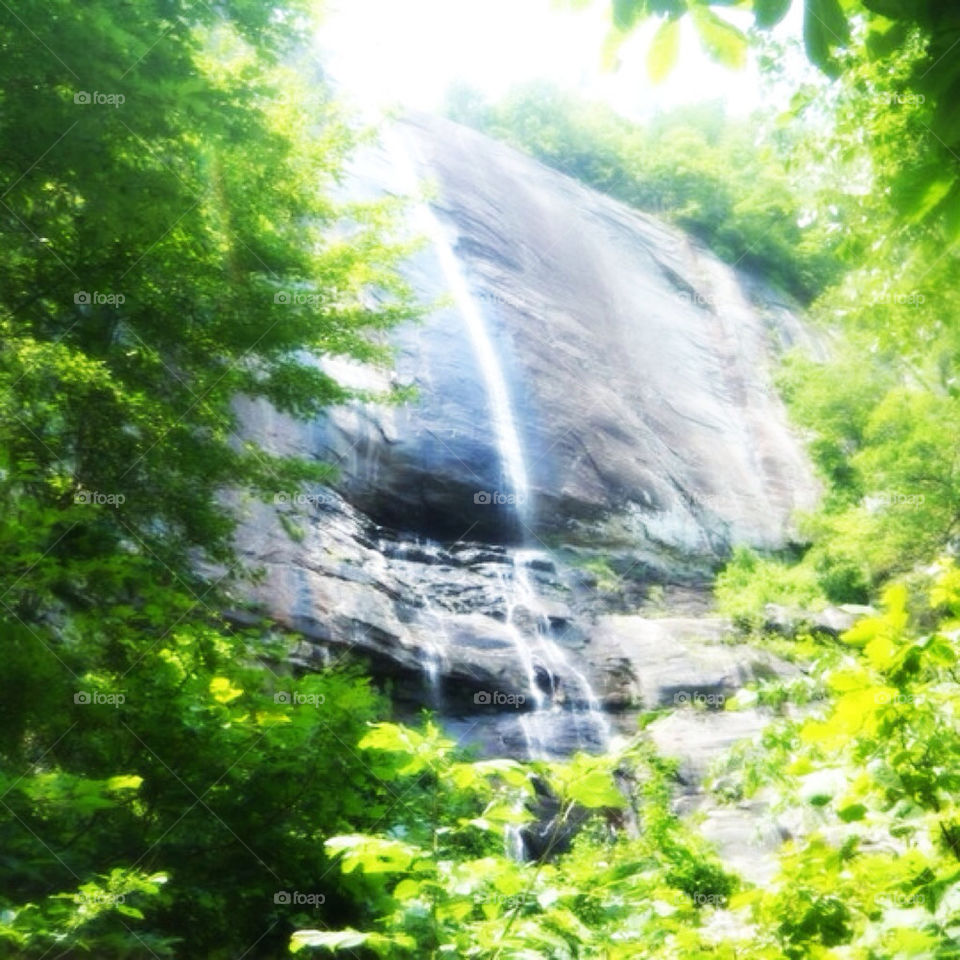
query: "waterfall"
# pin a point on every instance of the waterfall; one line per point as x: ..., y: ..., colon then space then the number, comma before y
x: 537, y: 651
x: 596, y: 722
x: 436, y: 654
x: 504, y: 425
x: 501, y: 409
x: 434, y: 639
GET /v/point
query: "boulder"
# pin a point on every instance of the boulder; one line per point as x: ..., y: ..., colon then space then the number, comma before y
x: 651, y: 663
x: 831, y: 621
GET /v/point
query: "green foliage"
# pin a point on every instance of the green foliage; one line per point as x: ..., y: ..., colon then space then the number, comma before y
x: 169, y: 245
x: 154, y: 245
x: 443, y: 886
x: 605, y: 578
x: 749, y: 582
x: 872, y: 779
x: 170, y: 752
x: 840, y: 36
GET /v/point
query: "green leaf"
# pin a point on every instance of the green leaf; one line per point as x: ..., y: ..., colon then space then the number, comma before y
x: 334, y: 940
x: 331, y: 940
x: 855, y: 811
x: 595, y: 789
x: 223, y: 691
x: 825, y: 27
x: 626, y: 13
x: 769, y: 13
x: 373, y: 854
x: 664, y: 50
x: 129, y: 782
x: 722, y: 40
x: 392, y: 737
x: 927, y: 199
x: 406, y: 889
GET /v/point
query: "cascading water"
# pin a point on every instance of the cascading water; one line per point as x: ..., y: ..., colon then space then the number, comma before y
x: 434, y: 637
x: 546, y: 666
x: 594, y: 728
x: 504, y: 424
x: 437, y: 652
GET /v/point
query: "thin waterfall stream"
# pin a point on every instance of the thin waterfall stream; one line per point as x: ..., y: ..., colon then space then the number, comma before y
x: 554, y: 686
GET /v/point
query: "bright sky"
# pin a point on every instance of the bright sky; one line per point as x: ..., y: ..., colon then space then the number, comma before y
x: 407, y: 52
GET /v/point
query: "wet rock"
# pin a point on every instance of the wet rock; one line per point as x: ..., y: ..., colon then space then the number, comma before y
x: 696, y: 738
x: 674, y: 662
x: 543, y: 564
x: 472, y: 555
x: 831, y: 621
x: 649, y: 425
x: 747, y: 836
x: 649, y: 429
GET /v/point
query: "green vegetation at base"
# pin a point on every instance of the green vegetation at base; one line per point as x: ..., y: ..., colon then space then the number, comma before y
x: 869, y: 776
x: 439, y: 882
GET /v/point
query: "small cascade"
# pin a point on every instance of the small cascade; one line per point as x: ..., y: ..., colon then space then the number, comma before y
x: 436, y: 652
x: 579, y: 701
x: 543, y: 661
x: 513, y: 845
x: 531, y: 724
x: 434, y: 638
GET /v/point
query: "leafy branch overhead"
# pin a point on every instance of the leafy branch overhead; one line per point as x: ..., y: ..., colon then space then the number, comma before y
x: 837, y: 36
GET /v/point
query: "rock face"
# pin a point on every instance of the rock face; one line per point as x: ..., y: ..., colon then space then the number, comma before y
x: 674, y: 662
x: 638, y: 370
x: 831, y: 621
x: 599, y: 389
